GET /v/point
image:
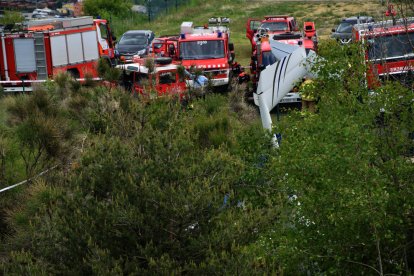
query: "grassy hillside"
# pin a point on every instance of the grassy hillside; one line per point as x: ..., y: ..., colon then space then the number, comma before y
x: 326, y: 15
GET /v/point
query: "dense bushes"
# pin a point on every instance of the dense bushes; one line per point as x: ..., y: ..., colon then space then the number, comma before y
x: 156, y: 188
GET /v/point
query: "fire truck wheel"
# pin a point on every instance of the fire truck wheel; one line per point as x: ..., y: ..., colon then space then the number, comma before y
x: 230, y: 84
x: 163, y: 60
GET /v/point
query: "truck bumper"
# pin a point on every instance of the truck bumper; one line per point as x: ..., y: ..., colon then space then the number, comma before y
x: 291, y: 97
x: 214, y: 82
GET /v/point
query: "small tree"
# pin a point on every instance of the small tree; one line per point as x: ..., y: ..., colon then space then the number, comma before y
x: 11, y: 18
x: 40, y: 129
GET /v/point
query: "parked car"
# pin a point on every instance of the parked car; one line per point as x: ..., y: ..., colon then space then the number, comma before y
x: 134, y: 43
x: 343, y: 32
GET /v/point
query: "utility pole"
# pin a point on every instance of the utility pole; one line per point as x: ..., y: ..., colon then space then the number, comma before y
x: 149, y: 10
x: 166, y: 6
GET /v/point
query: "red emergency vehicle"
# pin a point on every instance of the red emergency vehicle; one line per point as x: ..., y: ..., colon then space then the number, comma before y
x: 207, y: 48
x: 389, y: 49
x: 45, y: 47
x: 165, y: 46
x: 282, y: 28
x: 164, y: 80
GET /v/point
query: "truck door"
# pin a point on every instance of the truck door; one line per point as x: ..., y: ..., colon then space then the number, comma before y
x: 251, y: 27
x: 141, y: 83
x: 105, y: 40
x: 165, y: 82
x: 24, y: 51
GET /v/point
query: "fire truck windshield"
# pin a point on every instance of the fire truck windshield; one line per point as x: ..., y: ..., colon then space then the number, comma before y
x: 202, y: 49
x: 391, y: 47
x: 275, y: 26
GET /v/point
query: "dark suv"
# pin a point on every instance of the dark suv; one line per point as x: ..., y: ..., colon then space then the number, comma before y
x: 343, y: 33
x: 134, y: 43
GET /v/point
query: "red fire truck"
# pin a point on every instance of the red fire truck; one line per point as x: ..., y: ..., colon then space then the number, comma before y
x: 279, y: 28
x: 164, y: 80
x: 45, y: 47
x: 389, y: 49
x: 282, y: 28
x: 207, y: 48
x: 165, y: 46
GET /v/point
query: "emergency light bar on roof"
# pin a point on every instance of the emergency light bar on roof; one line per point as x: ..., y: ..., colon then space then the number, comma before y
x: 269, y: 17
x: 384, y: 24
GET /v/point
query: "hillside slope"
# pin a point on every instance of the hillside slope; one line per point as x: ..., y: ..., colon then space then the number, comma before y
x: 324, y: 14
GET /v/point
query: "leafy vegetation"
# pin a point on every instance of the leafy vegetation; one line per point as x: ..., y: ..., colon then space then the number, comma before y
x: 106, y: 8
x: 11, y: 18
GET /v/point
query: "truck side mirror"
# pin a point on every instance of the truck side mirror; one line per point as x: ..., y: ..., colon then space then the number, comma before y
x: 171, y: 50
x: 232, y: 56
x: 254, y: 58
x: 231, y: 47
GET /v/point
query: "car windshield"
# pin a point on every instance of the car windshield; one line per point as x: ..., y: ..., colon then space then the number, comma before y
x: 275, y: 26
x: 344, y: 27
x: 391, y: 47
x: 268, y: 58
x: 133, y: 39
x: 202, y: 49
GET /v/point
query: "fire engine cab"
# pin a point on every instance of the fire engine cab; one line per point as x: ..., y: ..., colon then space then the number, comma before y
x: 207, y: 48
x: 282, y: 28
x: 42, y: 48
x: 389, y: 49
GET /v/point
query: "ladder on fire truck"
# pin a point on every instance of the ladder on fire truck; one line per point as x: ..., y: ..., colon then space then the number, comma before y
x: 40, y: 56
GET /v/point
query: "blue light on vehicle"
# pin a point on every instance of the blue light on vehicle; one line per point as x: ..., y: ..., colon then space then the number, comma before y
x: 219, y: 34
x: 182, y: 36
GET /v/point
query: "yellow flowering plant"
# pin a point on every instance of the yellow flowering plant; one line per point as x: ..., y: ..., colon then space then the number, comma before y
x: 307, y: 90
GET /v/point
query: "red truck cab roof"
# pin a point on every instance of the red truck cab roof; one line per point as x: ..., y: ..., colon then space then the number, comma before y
x: 279, y: 24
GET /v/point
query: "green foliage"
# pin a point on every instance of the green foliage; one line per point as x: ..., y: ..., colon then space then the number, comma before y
x: 23, y: 265
x: 344, y: 174
x: 150, y: 64
x: 148, y: 197
x: 11, y: 18
x: 106, y: 8
x: 39, y: 128
x: 107, y: 72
